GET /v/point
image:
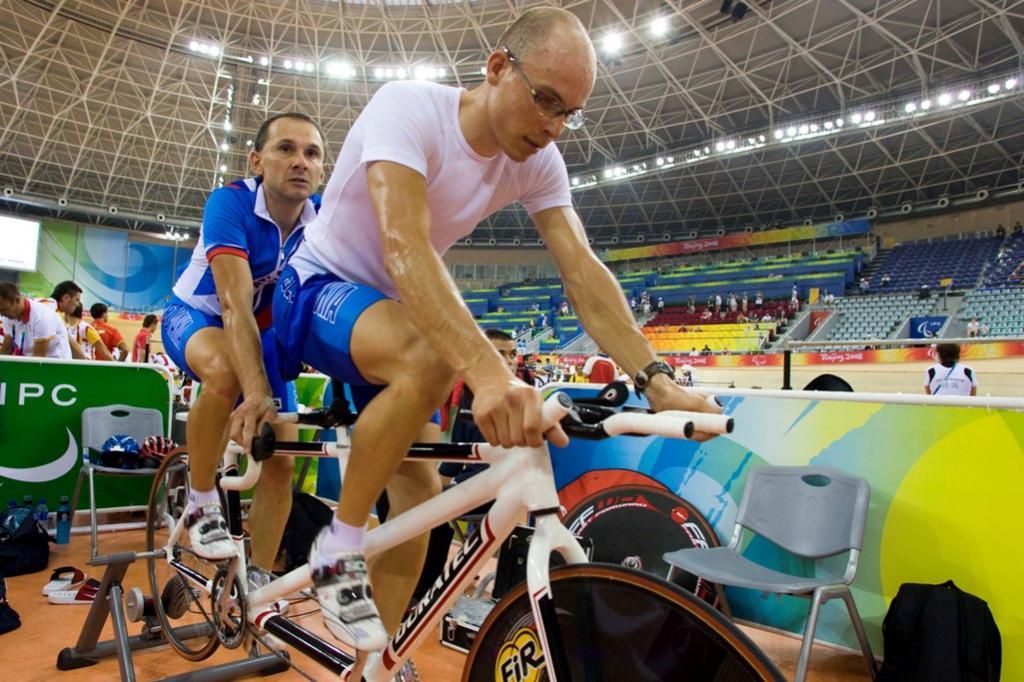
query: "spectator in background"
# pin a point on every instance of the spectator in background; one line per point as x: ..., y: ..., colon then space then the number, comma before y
x: 1018, y: 228
x: 686, y: 376
x: 1000, y: 231
x: 694, y: 352
x: 65, y: 299
x: 734, y: 304
x: 691, y: 305
x: 661, y: 304
x: 140, y: 346
x: 973, y: 328
x: 706, y: 350
x: 864, y: 285
x: 741, y: 318
x: 984, y: 329
x: 31, y: 329
x: 758, y: 299
x: 86, y: 337
x: 706, y: 315
x: 112, y: 338
x: 743, y: 303
x: 718, y: 302
x: 885, y: 280
x: 647, y: 306
x: 949, y: 377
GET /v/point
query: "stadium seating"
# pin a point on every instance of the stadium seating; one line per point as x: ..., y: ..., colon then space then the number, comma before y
x: 1001, y: 309
x: 874, y: 317
x: 914, y: 264
x: 1007, y: 268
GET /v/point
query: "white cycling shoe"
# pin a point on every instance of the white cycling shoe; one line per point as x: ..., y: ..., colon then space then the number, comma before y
x: 208, y: 532
x: 346, y: 601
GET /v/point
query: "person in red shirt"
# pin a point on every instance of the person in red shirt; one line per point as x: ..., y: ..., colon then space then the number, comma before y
x: 140, y: 346
x: 112, y: 338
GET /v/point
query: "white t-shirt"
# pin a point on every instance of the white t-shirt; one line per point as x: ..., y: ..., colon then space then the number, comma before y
x: 956, y: 380
x: 416, y: 124
x: 39, y: 322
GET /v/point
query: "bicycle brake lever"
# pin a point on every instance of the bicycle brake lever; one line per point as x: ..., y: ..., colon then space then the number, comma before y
x: 263, y: 445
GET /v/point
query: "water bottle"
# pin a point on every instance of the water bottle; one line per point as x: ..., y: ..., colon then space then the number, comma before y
x: 42, y: 513
x: 63, y: 521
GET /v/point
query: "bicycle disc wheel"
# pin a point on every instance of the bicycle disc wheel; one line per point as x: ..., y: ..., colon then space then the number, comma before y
x: 182, y: 609
x: 616, y: 624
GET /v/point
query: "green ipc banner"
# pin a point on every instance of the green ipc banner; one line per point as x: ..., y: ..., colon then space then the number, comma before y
x: 41, y: 404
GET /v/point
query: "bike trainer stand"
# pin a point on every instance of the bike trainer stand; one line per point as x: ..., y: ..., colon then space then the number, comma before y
x: 109, y: 602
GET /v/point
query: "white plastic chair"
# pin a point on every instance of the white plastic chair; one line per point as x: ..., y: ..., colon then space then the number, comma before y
x: 98, y: 424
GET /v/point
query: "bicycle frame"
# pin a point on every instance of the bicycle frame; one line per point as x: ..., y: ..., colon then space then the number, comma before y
x: 519, y: 480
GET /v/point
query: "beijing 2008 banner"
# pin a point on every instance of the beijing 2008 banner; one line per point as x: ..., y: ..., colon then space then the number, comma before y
x: 848, y: 228
x: 945, y: 491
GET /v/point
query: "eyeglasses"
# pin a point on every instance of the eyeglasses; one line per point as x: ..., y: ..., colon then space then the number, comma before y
x: 548, y: 105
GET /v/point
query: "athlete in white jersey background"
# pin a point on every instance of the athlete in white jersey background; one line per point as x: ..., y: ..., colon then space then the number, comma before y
x: 367, y: 298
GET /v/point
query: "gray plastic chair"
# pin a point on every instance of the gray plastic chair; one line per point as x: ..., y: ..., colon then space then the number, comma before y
x: 98, y: 424
x: 811, y: 512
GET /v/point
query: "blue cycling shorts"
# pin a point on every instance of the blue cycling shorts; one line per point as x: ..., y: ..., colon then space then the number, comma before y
x: 180, y: 321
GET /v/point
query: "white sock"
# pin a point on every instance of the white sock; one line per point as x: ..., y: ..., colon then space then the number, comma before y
x: 339, y: 539
x: 201, y: 498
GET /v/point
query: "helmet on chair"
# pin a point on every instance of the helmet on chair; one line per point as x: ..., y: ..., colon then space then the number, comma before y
x: 120, y: 450
x: 153, y: 451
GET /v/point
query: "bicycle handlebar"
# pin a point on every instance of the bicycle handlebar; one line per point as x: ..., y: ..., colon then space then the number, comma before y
x: 578, y: 420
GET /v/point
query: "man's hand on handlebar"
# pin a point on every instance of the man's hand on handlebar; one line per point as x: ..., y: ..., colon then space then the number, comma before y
x: 249, y: 417
x: 664, y: 394
x: 509, y: 414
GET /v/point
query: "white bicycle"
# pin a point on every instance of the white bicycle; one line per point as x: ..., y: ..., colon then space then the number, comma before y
x: 581, y: 621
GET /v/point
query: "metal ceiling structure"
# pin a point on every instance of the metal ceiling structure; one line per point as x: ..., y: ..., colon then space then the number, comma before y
x: 123, y: 104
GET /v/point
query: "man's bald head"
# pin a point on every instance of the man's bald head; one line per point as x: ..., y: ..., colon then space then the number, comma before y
x: 549, y: 29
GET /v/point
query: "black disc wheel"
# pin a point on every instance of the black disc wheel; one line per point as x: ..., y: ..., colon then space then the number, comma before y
x: 182, y: 607
x: 616, y: 624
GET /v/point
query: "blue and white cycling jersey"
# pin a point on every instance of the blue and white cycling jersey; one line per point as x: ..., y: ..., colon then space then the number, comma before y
x: 236, y: 221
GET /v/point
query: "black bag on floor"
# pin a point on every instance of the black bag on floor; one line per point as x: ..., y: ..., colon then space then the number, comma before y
x: 24, y: 544
x: 9, y: 619
x: 939, y: 632
x: 307, y: 517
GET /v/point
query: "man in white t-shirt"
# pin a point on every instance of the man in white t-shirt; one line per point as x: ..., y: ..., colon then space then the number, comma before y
x: 949, y: 377
x: 367, y: 299
x: 31, y: 328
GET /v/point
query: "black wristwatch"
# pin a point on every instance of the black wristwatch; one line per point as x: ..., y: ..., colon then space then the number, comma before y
x: 642, y: 378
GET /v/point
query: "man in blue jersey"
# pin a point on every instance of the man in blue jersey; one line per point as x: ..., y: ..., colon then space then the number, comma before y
x: 217, y: 326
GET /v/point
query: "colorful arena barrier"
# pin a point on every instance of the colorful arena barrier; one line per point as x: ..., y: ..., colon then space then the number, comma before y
x: 945, y: 476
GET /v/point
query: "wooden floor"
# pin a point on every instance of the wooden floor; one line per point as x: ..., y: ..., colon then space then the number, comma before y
x: 30, y: 652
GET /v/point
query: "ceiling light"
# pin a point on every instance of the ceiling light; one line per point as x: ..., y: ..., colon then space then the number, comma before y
x: 1010, y: 83
x: 669, y: 159
x: 389, y: 73
x: 910, y: 107
x: 856, y: 118
x: 964, y: 95
x: 288, y: 64
x: 779, y: 133
x: 659, y: 26
x: 945, y: 98
x: 612, y: 43
x: 401, y: 73
x: 926, y: 104
x: 223, y: 146
x: 707, y: 150
x: 760, y: 138
x: 814, y: 127
x: 194, y: 46
x: 223, y: 168
x: 828, y: 125
x: 730, y: 145
x: 310, y: 67
x: 483, y: 70
x: 227, y: 125
x: 609, y: 172
x: 993, y: 89
x: 660, y: 161
x: 264, y: 61
x: 257, y: 100
x: 839, y: 123
x: 803, y: 129
x: 378, y: 73
x: 719, y: 146
x: 791, y: 131
x: 869, y: 116
x: 248, y: 143
x: 575, y: 182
